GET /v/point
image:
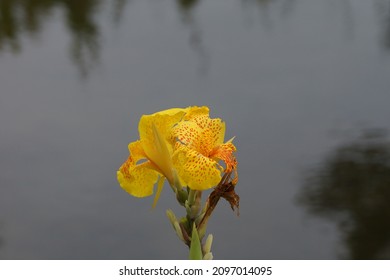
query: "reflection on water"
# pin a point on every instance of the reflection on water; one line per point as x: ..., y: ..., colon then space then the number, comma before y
x: 383, y: 11
x: 352, y: 188
x: 85, y: 32
x: 119, y: 7
x: 19, y: 18
x: 195, y: 40
x: 187, y: 5
x: 268, y: 11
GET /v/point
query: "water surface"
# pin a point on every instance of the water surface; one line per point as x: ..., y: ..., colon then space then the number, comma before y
x: 302, y: 84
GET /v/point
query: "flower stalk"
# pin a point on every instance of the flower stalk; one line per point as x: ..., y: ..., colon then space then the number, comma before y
x: 197, y: 220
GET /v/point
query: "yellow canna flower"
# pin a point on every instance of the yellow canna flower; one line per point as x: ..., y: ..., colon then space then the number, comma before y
x: 182, y: 145
x: 150, y: 157
x: 199, y: 147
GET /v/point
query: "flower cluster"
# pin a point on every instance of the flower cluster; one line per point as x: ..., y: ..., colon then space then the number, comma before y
x: 185, y: 147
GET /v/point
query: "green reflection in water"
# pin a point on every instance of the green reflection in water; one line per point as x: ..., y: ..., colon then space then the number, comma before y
x: 352, y: 188
x: 383, y: 14
x: 186, y: 8
x: 80, y: 22
x: 186, y: 5
x: 284, y: 8
x: 21, y: 17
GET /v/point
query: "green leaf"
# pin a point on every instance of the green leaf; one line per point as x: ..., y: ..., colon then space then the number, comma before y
x: 195, y: 248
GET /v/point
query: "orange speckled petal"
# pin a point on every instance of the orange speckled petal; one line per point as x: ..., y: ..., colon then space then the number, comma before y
x: 217, y: 131
x: 196, y: 112
x: 203, y: 140
x: 195, y: 170
x: 224, y: 152
x: 188, y: 133
x: 201, y: 120
x: 137, y: 180
x: 136, y: 151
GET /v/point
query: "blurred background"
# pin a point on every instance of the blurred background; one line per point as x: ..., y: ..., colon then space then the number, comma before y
x: 304, y: 85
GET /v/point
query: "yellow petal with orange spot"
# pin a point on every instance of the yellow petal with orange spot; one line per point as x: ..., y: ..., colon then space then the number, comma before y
x: 136, y: 151
x: 197, y: 171
x: 217, y: 130
x: 187, y: 133
x: 203, y: 138
x: 137, y: 180
x: 196, y: 112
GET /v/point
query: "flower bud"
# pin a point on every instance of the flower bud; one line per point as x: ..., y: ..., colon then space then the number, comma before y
x: 172, y: 218
x: 208, y: 256
x: 207, y: 244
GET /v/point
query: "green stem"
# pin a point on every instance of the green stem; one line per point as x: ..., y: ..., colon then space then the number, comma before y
x: 191, y: 197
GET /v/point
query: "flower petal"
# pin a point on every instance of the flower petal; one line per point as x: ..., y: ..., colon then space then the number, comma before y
x: 224, y: 152
x: 202, y: 139
x: 155, y: 136
x: 136, y: 151
x: 200, y: 115
x: 137, y: 180
x: 188, y: 133
x: 163, y: 121
x: 196, y: 112
x: 217, y: 131
x: 160, y: 185
x: 198, y: 172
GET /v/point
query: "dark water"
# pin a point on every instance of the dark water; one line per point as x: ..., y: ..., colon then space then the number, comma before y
x: 304, y: 85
